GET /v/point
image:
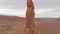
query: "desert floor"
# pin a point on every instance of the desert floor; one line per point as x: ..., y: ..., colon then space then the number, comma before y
x: 16, y: 25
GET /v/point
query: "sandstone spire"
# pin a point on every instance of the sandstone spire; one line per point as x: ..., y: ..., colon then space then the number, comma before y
x: 30, y: 15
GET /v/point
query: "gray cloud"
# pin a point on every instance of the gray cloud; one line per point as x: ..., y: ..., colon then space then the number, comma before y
x: 47, y: 4
x: 13, y: 4
x: 43, y: 8
x: 21, y: 4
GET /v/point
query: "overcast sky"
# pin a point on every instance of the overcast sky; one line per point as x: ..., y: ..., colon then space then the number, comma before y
x: 43, y: 8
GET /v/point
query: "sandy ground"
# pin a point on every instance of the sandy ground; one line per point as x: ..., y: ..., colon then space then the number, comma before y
x: 15, y: 25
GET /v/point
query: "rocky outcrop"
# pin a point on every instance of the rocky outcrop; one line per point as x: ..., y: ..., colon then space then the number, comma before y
x: 30, y: 18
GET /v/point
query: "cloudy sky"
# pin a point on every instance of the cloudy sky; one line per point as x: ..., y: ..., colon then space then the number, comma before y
x: 43, y: 8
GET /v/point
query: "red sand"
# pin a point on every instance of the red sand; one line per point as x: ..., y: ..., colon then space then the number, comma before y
x: 15, y: 25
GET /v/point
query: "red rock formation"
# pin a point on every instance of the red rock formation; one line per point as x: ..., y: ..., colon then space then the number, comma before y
x: 30, y: 15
